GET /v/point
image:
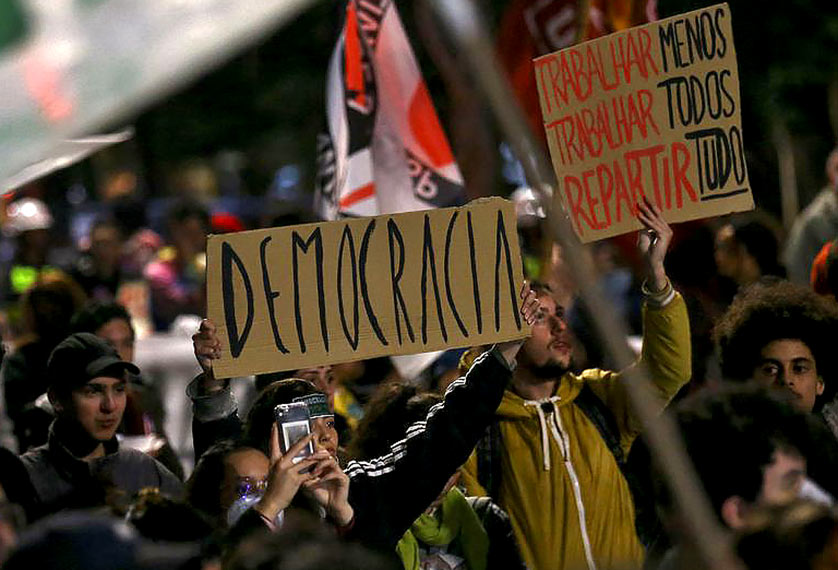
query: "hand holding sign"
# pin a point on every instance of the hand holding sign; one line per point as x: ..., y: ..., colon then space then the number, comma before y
x: 207, y: 347
x: 649, y: 114
x: 529, y: 306
x: 653, y: 243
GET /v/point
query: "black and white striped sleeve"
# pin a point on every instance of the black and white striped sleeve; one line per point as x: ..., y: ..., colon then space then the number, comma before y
x: 389, y: 492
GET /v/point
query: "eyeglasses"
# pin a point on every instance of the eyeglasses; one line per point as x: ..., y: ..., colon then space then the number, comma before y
x: 248, y: 486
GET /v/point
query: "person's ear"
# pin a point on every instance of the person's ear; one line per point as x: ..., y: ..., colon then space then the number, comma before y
x: 55, y: 400
x: 820, y: 387
x: 733, y: 512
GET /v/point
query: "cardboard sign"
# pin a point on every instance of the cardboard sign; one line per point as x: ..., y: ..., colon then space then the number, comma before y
x: 293, y: 297
x: 651, y: 112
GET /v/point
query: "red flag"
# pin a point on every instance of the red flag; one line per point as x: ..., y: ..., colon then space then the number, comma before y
x: 531, y: 28
x: 385, y: 150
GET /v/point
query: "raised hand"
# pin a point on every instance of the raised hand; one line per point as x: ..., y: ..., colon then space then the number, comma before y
x: 330, y: 488
x: 529, y: 306
x: 653, y: 243
x: 285, y: 477
x: 207, y: 347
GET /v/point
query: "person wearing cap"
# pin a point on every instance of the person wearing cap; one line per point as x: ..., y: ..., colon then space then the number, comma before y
x: 81, y: 462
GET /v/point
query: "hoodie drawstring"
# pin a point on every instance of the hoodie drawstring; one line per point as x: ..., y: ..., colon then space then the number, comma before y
x: 563, y: 442
x: 542, y: 420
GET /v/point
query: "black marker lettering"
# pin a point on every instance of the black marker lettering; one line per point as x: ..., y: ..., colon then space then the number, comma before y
x: 500, y: 236
x: 365, y: 246
x: 429, y: 255
x: 228, y: 257
x: 474, y: 284
x: 448, y: 274
x: 722, y: 40
x: 347, y: 238
x: 297, y: 242
x: 270, y: 295
x: 398, y: 300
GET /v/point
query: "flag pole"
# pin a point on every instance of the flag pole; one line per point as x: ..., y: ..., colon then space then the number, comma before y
x: 703, y: 531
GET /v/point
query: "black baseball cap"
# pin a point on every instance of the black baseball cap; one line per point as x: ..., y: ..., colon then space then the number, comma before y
x: 83, y: 356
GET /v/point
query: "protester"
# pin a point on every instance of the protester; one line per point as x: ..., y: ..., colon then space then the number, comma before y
x: 48, y: 307
x: 144, y: 415
x: 454, y: 531
x: 747, y: 249
x: 176, y: 277
x: 800, y: 535
x: 750, y: 450
x: 782, y: 334
x: 227, y: 473
x: 552, y: 456
x: 81, y: 463
x: 99, y: 270
x: 28, y: 221
x: 423, y: 461
x: 324, y: 379
x: 814, y: 226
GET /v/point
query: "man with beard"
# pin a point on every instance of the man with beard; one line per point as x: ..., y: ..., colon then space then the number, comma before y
x: 553, y: 458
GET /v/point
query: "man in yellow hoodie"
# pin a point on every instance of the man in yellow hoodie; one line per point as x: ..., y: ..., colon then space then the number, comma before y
x: 555, y: 474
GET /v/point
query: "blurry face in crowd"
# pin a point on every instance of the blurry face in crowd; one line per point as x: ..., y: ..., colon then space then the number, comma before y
x: 98, y: 406
x: 106, y: 246
x: 548, y: 351
x: 190, y: 236
x: 781, y: 481
x: 727, y: 252
x: 789, y: 364
x: 323, y: 378
x: 119, y: 333
x: 246, y: 467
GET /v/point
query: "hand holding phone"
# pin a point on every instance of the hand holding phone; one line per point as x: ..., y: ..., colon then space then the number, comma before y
x: 293, y: 423
x: 287, y: 473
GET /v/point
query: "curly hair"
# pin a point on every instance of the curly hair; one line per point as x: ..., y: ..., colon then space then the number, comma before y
x: 771, y: 310
x: 391, y: 410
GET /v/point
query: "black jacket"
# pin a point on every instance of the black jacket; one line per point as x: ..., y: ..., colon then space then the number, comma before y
x: 388, y: 493
x: 63, y: 481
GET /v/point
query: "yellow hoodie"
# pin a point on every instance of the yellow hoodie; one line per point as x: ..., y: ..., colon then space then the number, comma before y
x: 569, y: 504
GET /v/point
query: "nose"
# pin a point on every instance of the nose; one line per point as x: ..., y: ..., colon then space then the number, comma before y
x: 784, y: 378
x: 108, y: 403
x: 558, y: 324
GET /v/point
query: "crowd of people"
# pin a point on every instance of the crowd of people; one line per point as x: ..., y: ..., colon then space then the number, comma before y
x: 525, y: 454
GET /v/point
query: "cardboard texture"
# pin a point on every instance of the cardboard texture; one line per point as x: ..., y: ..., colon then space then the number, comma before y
x: 651, y: 111
x: 293, y: 297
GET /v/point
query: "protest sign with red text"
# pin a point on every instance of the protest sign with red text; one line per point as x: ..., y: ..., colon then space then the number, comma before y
x: 651, y: 112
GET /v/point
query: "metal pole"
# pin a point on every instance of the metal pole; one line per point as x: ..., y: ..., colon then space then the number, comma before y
x: 703, y: 530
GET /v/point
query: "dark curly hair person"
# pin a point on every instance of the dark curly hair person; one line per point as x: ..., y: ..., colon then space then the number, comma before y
x: 782, y: 334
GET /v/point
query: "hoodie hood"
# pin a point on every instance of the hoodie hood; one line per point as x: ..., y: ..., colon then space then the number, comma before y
x: 514, y: 406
